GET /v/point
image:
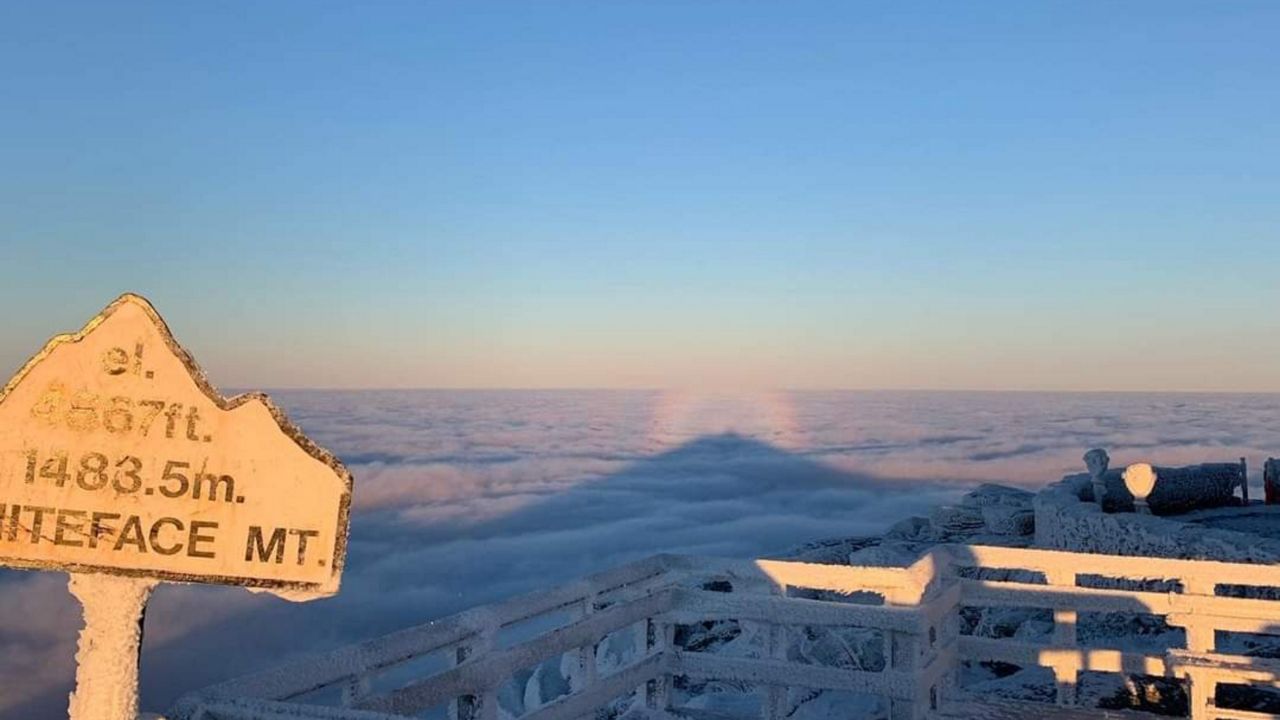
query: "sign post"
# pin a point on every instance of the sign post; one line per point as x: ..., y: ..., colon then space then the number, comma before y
x: 122, y: 465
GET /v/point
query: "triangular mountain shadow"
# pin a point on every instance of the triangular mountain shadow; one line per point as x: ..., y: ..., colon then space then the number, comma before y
x: 722, y: 468
x: 725, y: 473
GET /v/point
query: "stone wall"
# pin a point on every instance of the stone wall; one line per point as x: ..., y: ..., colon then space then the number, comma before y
x: 1065, y: 521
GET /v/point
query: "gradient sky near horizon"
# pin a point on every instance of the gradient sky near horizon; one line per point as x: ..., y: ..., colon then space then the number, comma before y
x: 1002, y: 195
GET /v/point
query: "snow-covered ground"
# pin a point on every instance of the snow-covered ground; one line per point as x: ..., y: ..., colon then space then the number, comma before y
x: 1263, y: 520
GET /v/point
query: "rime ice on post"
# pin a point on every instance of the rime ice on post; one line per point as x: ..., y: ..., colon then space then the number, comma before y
x: 120, y: 464
x: 1097, y: 461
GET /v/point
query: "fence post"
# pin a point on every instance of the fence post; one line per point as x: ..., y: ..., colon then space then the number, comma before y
x: 902, y: 654
x: 355, y: 690
x: 1244, y: 481
x: 1201, y: 638
x: 945, y: 639
x: 1065, y: 675
x: 585, y: 656
x: 1271, y: 481
x: 1064, y: 628
x: 775, y: 695
x: 1200, y: 694
x: 474, y: 707
x: 659, y: 637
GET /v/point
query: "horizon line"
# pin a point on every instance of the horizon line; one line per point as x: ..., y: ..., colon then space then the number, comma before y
x: 728, y: 391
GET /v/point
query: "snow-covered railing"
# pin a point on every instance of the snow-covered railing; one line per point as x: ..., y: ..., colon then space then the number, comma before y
x: 455, y: 660
x: 460, y: 666
x: 1196, y: 607
x: 369, y: 680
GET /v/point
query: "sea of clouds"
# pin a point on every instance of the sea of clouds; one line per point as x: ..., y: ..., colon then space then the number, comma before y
x: 464, y: 497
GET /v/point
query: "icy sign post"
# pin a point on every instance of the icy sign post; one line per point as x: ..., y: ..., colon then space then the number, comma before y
x: 120, y: 464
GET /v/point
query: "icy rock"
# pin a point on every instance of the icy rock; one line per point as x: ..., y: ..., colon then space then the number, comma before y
x: 1137, y: 632
x: 1156, y: 695
x: 640, y: 712
x: 1259, y: 699
x: 990, y: 494
x: 1009, y: 519
x: 617, y: 650
x: 996, y: 574
x: 704, y: 636
x: 985, y: 538
x: 956, y: 519
x: 1034, y: 629
x: 546, y: 684
x: 809, y: 704
x: 511, y: 695
x: 1004, y: 511
x: 850, y: 648
x: 724, y: 699
x: 889, y: 554
x: 1103, y: 582
x: 834, y: 551
x: 1003, y: 680
x: 1249, y: 644
x: 916, y: 529
x: 1006, y: 622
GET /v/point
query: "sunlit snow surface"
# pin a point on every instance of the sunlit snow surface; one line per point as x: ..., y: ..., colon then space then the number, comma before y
x: 466, y: 497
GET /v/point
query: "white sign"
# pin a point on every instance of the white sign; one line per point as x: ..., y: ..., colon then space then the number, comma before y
x: 117, y: 456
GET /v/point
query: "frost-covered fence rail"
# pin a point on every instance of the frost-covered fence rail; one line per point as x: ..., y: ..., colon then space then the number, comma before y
x: 1204, y: 598
x: 916, y: 604
x: 393, y: 676
x: 554, y: 654
x: 456, y: 660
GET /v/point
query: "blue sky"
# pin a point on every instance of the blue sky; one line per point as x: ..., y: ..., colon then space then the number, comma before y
x: 1004, y: 195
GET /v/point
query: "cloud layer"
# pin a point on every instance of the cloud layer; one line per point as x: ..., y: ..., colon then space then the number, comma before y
x: 466, y: 497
